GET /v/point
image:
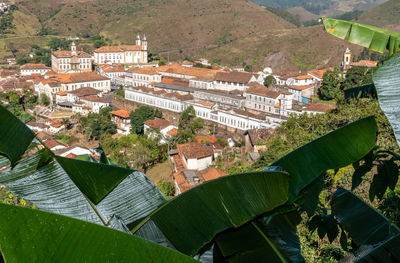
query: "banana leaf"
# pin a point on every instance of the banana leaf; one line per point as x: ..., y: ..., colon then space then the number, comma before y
x: 192, y: 219
x: 365, y: 225
x: 388, y: 252
x: 273, y: 240
x: 371, y: 37
x: 28, y: 235
x: 51, y: 189
x: 387, y: 82
x: 13, y: 130
x: 337, y: 149
x: 95, y: 180
x: 361, y: 92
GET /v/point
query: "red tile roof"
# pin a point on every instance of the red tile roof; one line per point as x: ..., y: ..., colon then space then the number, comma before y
x: 365, y: 63
x: 194, y: 150
x: 175, y: 81
x: 121, y: 113
x: 120, y: 48
x: 52, y: 143
x: 68, y: 54
x: 93, y: 98
x: 172, y: 132
x: 319, y: 73
x: 81, y: 77
x: 261, y: 90
x: 157, y: 123
x: 146, y: 71
x: 34, y: 66
x: 319, y: 107
x: 303, y: 77
x: 235, y: 76
x: 301, y: 87
x: 212, y: 174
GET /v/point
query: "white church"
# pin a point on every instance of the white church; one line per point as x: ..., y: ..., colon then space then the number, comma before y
x: 123, y: 54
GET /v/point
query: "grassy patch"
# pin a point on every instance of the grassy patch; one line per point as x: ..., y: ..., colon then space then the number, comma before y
x: 161, y: 172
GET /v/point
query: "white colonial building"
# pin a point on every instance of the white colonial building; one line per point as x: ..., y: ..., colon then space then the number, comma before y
x: 71, y: 61
x: 142, y: 76
x: 29, y: 69
x: 123, y: 54
x: 235, y: 80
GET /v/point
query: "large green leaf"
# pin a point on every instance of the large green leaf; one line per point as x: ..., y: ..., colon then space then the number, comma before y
x: 95, y: 180
x: 16, y: 136
x: 273, y: 240
x: 365, y: 225
x: 388, y: 252
x: 51, y: 189
x: 337, y: 149
x: 387, y: 82
x: 371, y: 37
x: 28, y: 235
x: 192, y: 219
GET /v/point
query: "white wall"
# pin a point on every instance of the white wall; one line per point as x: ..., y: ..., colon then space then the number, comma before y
x: 198, y: 164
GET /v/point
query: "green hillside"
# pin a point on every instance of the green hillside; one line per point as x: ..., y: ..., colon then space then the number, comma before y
x: 386, y: 15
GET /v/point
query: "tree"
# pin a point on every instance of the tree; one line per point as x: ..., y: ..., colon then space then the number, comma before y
x: 188, y: 125
x: 269, y: 80
x: 44, y: 99
x: 140, y: 115
x: 167, y: 188
x: 98, y: 124
x: 357, y: 76
x: 331, y: 84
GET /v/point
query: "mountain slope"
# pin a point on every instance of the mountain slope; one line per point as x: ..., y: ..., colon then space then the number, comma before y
x: 386, y: 15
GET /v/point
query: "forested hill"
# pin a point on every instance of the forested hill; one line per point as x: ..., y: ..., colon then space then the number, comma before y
x: 386, y: 15
x: 322, y: 7
x: 227, y: 32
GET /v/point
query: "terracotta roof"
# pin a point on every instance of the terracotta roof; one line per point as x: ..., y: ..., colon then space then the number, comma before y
x: 37, y: 124
x: 194, y: 150
x: 62, y: 93
x: 50, y: 73
x: 93, y: 98
x: 172, y: 132
x: 71, y: 156
x: 163, y: 93
x: 207, y: 104
x: 34, y: 66
x: 81, y: 77
x: 146, y: 71
x: 301, y: 87
x: 365, y: 63
x: 188, y: 71
x: 235, y: 76
x: 175, y: 81
x: 158, y: 123
x: 8, y: 73
x: 120, y: 48
x: 319, y: 107
x: 302, y: 77
x: 53, y: 143
x: 259, y: 116
x: 68, y: 54
x: 121, y: 113
x: 44, y: 136
x: 116, y: 68
x: 319, y: 73
x: 85, y: 91
x: 261, y: 90
x: 213, y: 173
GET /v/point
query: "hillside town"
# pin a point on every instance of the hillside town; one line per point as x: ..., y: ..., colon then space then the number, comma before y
x: 236, y: 105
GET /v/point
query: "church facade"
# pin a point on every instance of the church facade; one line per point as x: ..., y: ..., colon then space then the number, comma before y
x: 123, y: 54
x: 71, y: 61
